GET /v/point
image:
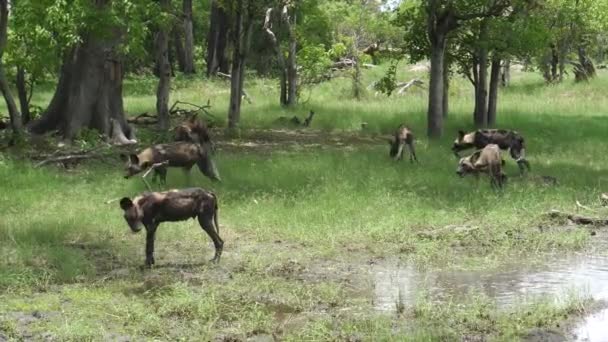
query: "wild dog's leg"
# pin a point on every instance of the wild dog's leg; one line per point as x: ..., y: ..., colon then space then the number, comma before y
x: 206, y: 221
x: 150, y: 236
x: 161, y: 172
x: 412, y: 152
x: 399, y: 155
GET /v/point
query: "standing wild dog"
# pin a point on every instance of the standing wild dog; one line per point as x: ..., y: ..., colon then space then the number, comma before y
x: 177, y: 154
x: 403, y: 136
x: 152, y: 208
x: 487, y: 160
x: 192, y: 130
x: 505, y: 139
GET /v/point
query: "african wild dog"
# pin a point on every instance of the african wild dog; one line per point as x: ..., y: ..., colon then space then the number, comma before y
x: 192, y: 130
x: 403, y: 136
x: 487, y: 160
x: 177, y: 154
x: 152, y: 208
x: 505, y: 139
x: 295, y: 121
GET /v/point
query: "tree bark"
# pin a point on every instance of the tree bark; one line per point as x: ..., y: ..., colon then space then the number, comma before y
x: 180, y: 54
x: 13, y: 112
x: 242, y: 37
x: 188, y: 38
x: 164, y: 81
x: 493, y: 97
x: 217, y: 40
x: 22, y: 93
x: 480, y: 117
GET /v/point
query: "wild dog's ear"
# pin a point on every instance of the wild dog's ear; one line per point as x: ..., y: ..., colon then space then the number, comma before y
x: 126, y: 203
x: 460, y: 134
x: 134, y: 159
x: 124, y: 157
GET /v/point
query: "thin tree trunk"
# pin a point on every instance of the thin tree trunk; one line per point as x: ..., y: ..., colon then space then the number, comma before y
x: 446, y: 89
x: 13, y: 112
x: 242, y: 38
x: 281, y: 61
x: 24, y: 102
x: 505, y: 75
x: 292, y: 74
x: 554, y: 63
x: 435, y: 108
x: 180, y: 54
x: 188, y: 38
x: 480, y: 117
x: 164, y: 82
x: 493, y: 97
x: 217, y: 40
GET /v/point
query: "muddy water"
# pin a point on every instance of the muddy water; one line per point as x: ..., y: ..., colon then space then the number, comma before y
x: 584, y: 273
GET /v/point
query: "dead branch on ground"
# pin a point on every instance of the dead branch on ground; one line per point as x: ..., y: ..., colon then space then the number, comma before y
x: 582, y: 220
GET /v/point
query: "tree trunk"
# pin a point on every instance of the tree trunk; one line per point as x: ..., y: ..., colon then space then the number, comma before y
x: 217, y: 40
x: 88, y: 94
x: 292, y: 73
x: 13, y: 112
x: 554, y: 63
x: 493, y: 97
x: 435, y: 109
x: 164, y: 81
x: 446, y: 88
x: 505, y: 75
x: 281, y: 61
x: 180, y: 54
x: 188, y: 38
x: 23, y: 96
x: 480, y: 117
x: 242, y: 38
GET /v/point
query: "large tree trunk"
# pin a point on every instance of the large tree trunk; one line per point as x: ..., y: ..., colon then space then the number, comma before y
x: 435, y: 109
x: 217, y: 40
x: 188, y: 38
x: 292, y: 73
x: 180, y: 53
x: 164, y: 82
x: 24, y: 102
x: 493, y: 97
x: 242, y: 37
x: 480, y: 117
x: 88, y: 94
x: 13, y: 112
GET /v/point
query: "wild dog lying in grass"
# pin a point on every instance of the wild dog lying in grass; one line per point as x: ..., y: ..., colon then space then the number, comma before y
x: 487, y: 160
x: 505, y: 139
x: 403, y: 136
x: 152, y: 208
x: 177, y: 154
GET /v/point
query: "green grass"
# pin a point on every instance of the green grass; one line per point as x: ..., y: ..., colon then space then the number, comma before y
x: 291, y: 213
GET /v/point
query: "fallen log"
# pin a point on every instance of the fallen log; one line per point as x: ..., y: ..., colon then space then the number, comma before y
x: 582, y: 220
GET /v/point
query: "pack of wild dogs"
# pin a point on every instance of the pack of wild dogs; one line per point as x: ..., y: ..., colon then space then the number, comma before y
x: 192, y: 145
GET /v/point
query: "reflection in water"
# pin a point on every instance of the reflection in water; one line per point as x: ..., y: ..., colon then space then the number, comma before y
x: 583, y: 273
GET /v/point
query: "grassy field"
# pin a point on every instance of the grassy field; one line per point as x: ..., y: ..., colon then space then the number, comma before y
x: 303, y: 215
